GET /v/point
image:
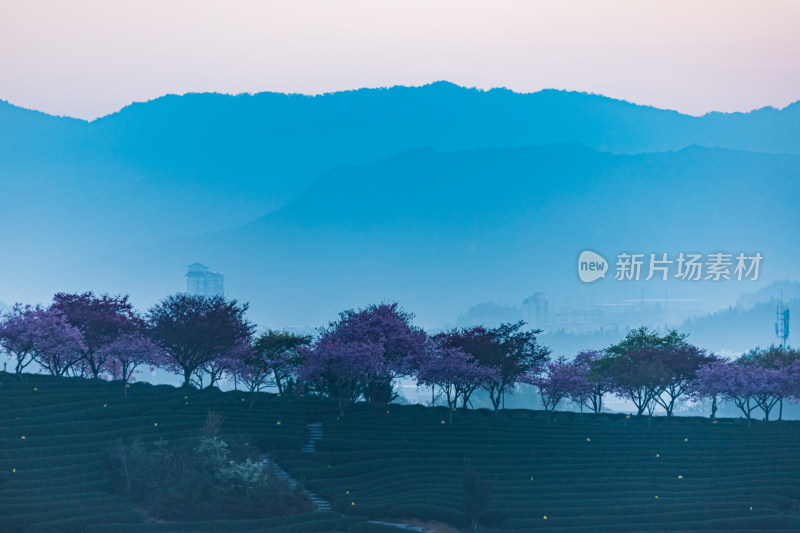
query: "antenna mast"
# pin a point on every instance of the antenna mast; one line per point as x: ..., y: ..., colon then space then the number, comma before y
x: 782, y: 323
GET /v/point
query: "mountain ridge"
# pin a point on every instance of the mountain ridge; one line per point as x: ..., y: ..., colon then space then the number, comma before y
x: 600, y: 96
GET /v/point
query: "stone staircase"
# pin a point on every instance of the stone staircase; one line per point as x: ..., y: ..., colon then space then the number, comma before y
x: 280, y: 473
x: 315, y: 434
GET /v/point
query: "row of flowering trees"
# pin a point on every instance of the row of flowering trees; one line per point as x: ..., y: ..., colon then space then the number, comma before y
x: 362, y: 354
x: 654, y: 371
x: 105, y: 337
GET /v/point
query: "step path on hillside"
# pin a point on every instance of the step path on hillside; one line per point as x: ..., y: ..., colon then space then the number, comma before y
x: 314, y: 435
x: 281, y: 474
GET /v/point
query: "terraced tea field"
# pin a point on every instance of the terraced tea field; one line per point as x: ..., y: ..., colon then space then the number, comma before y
x: 54, y: 433
x: 580, y: 473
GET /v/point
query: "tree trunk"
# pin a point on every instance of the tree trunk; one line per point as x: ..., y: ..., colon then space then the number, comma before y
x: 187, y: 377
x: 494, y: 396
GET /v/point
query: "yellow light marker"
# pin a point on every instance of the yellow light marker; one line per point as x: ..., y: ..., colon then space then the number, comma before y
x: 347, y: 492
x: 544, y: 517
x: 442, y: 421
x: 105, y: 405
x: 387, y: 411
x: 14, y: 470
x: 656, y: 496
x: 588, y: 440
x: 36, y: 388
x: 242, y: 399
x: 680, y: 477
x: 352, y: 503
x: 155, y: 424
x: 627, y: 416
x: 658, y: 455
x: 751, y: 507
x: 685, y: 440
x: 23, y: 437
x: 278, y: 423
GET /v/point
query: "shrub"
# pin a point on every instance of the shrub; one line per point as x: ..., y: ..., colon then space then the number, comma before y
x: 198, y: 479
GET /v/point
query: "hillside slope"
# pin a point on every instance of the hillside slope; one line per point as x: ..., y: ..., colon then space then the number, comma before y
x: 584, y: 473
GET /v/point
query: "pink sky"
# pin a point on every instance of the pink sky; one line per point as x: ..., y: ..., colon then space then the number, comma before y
x: 90, y: 58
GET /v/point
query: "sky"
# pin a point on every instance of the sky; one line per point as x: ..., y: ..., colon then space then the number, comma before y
x: 90, y: 58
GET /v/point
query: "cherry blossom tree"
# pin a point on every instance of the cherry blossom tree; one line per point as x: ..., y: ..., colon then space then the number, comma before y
x: 640, y: 377
x: 224, y: 366
x: 782, y: 359
x: 196, y: 331
x: 123, y: 356
x: 101, y: 320
x: 743, y: 384
x: 58, y: 346
x: 507, y: 349
x: 340, y: 369
x: 711, y: 381
x: 18, y: 334
x: 454, y: 372
x: 641, y: 368
x: 392, y: 338
x: 557, y: 380
x: 747, y: 384
x: 683, y: 361
x: 589, y: 364
x: 273, y: 360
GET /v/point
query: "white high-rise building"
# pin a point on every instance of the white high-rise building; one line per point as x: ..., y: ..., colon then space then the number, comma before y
x: 202, y: 282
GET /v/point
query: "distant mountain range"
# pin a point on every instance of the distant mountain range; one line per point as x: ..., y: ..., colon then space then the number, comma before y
x: 441, y: 231
x: 438, y: 196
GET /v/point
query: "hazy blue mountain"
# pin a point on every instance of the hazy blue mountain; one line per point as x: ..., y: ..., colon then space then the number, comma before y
x: 440, y: 232
x: 438, y: 196
x: 742, y: 329
x: 185, y: 165
x: 786, y: 289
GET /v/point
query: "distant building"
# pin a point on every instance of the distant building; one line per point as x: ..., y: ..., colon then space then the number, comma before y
x: 535, y: 309
x: 202, y: 282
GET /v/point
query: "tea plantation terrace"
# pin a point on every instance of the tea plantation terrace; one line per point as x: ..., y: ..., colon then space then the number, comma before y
x: 392, y: 463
